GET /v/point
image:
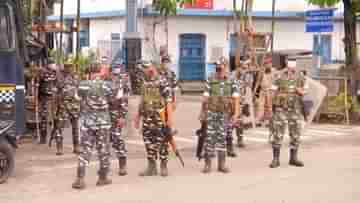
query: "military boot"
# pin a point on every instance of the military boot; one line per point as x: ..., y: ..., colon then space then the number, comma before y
x: 276, y: 158
x: 294, y: 161
x: 163, y: 168
x: 221, y: 162
x: 230, y: 147
x: 151, y: 170
x: 207, y: 166
x: 122, y: 166
x: 240, y: 137
x: 59, y: 147
x: 79, y: 182
x: 103, y: 178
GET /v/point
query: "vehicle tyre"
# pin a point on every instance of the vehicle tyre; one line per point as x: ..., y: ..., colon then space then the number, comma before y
x: 7, y: 162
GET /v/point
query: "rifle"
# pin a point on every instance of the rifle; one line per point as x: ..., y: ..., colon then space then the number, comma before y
x: 303, y: 109
x: 169, y: 136
x: 201, y: 133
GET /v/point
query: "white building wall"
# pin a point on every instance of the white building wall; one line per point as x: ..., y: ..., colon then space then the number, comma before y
x: 289, y: 34
x: 101, y: 29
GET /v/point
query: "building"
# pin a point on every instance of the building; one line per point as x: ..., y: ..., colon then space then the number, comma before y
x: 196, y: 37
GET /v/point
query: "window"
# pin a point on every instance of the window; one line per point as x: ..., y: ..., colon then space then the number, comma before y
x: 7, y: 32
x: 84, y: 38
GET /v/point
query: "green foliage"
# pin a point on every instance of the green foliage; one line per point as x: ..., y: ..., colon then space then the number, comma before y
x: 168, y: 7
x: 83, y: 63
x: 56, y: 56
x: 337, y: 104
x: 324, y: 3
x: 330, y: 3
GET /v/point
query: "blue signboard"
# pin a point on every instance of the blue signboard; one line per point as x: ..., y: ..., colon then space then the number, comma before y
x: 320, y: 20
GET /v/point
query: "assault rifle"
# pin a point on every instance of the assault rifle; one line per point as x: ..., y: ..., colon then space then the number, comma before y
x: 168, y: 133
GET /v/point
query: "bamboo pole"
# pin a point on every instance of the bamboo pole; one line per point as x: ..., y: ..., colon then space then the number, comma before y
x: 273, y: 27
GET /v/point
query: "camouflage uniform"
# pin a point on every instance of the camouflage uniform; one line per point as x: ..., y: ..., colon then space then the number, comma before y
x: 286, y: 104
x: 68, y: 109
x: 95, y: 124
x: 47, y: 91
x: 243, y: 81
x: 156, y: 94
x: 119, y: 109
x: 220, y: 95
x: 171, y: 79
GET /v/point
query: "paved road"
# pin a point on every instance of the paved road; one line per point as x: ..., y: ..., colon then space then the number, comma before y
x: 331, y: 154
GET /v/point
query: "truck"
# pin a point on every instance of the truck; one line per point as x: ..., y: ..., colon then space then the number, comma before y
x: 12, y: 86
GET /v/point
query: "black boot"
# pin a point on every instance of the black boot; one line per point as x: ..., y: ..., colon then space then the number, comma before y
x: 59, y: 146
x: 221, y: 163
x: 240, y: 137
x: 122, y: 166
x: 230, y: 147
x: 294, y: 161
x: 103, y: 178
x: 151, y: 169
x: 79, y: 182
x: 163, y: 168
x: 276, y: 158
x: 207, y: 166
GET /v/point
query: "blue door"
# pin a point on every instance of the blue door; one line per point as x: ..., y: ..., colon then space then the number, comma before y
x: 192, y: 57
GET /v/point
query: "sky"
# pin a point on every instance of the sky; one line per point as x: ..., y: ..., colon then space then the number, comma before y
x: 110, y: 5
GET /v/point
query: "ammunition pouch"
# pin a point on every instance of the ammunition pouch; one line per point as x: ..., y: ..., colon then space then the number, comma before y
x: 221, y: 104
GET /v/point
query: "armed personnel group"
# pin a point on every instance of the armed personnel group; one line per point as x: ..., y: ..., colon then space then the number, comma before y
x: 98, y: 107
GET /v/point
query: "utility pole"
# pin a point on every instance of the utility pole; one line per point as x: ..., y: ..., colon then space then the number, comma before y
x: 77, y: 36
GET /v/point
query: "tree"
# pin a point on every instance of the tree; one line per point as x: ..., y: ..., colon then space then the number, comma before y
x: 351, y: 10
x: 166, y: 8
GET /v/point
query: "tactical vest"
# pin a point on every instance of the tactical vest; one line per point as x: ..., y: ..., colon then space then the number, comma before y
x: 287, y: 97
x: 152, y: 99
x: 95, y: 95
x: 220, y: 99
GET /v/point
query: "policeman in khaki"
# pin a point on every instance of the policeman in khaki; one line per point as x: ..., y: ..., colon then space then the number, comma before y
x: 220, y: 106
x: 289, y: 88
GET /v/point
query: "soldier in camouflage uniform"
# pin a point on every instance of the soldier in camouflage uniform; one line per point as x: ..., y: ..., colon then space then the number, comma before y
x: 118, y: 113
x: 243, y: 79
x: 155, y: 98
x: 47, y: 91
x: 221, y: 98
x: 68, y: 109
x: 289, y: 89
x: 166, y: 72
x: 95, y: 124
